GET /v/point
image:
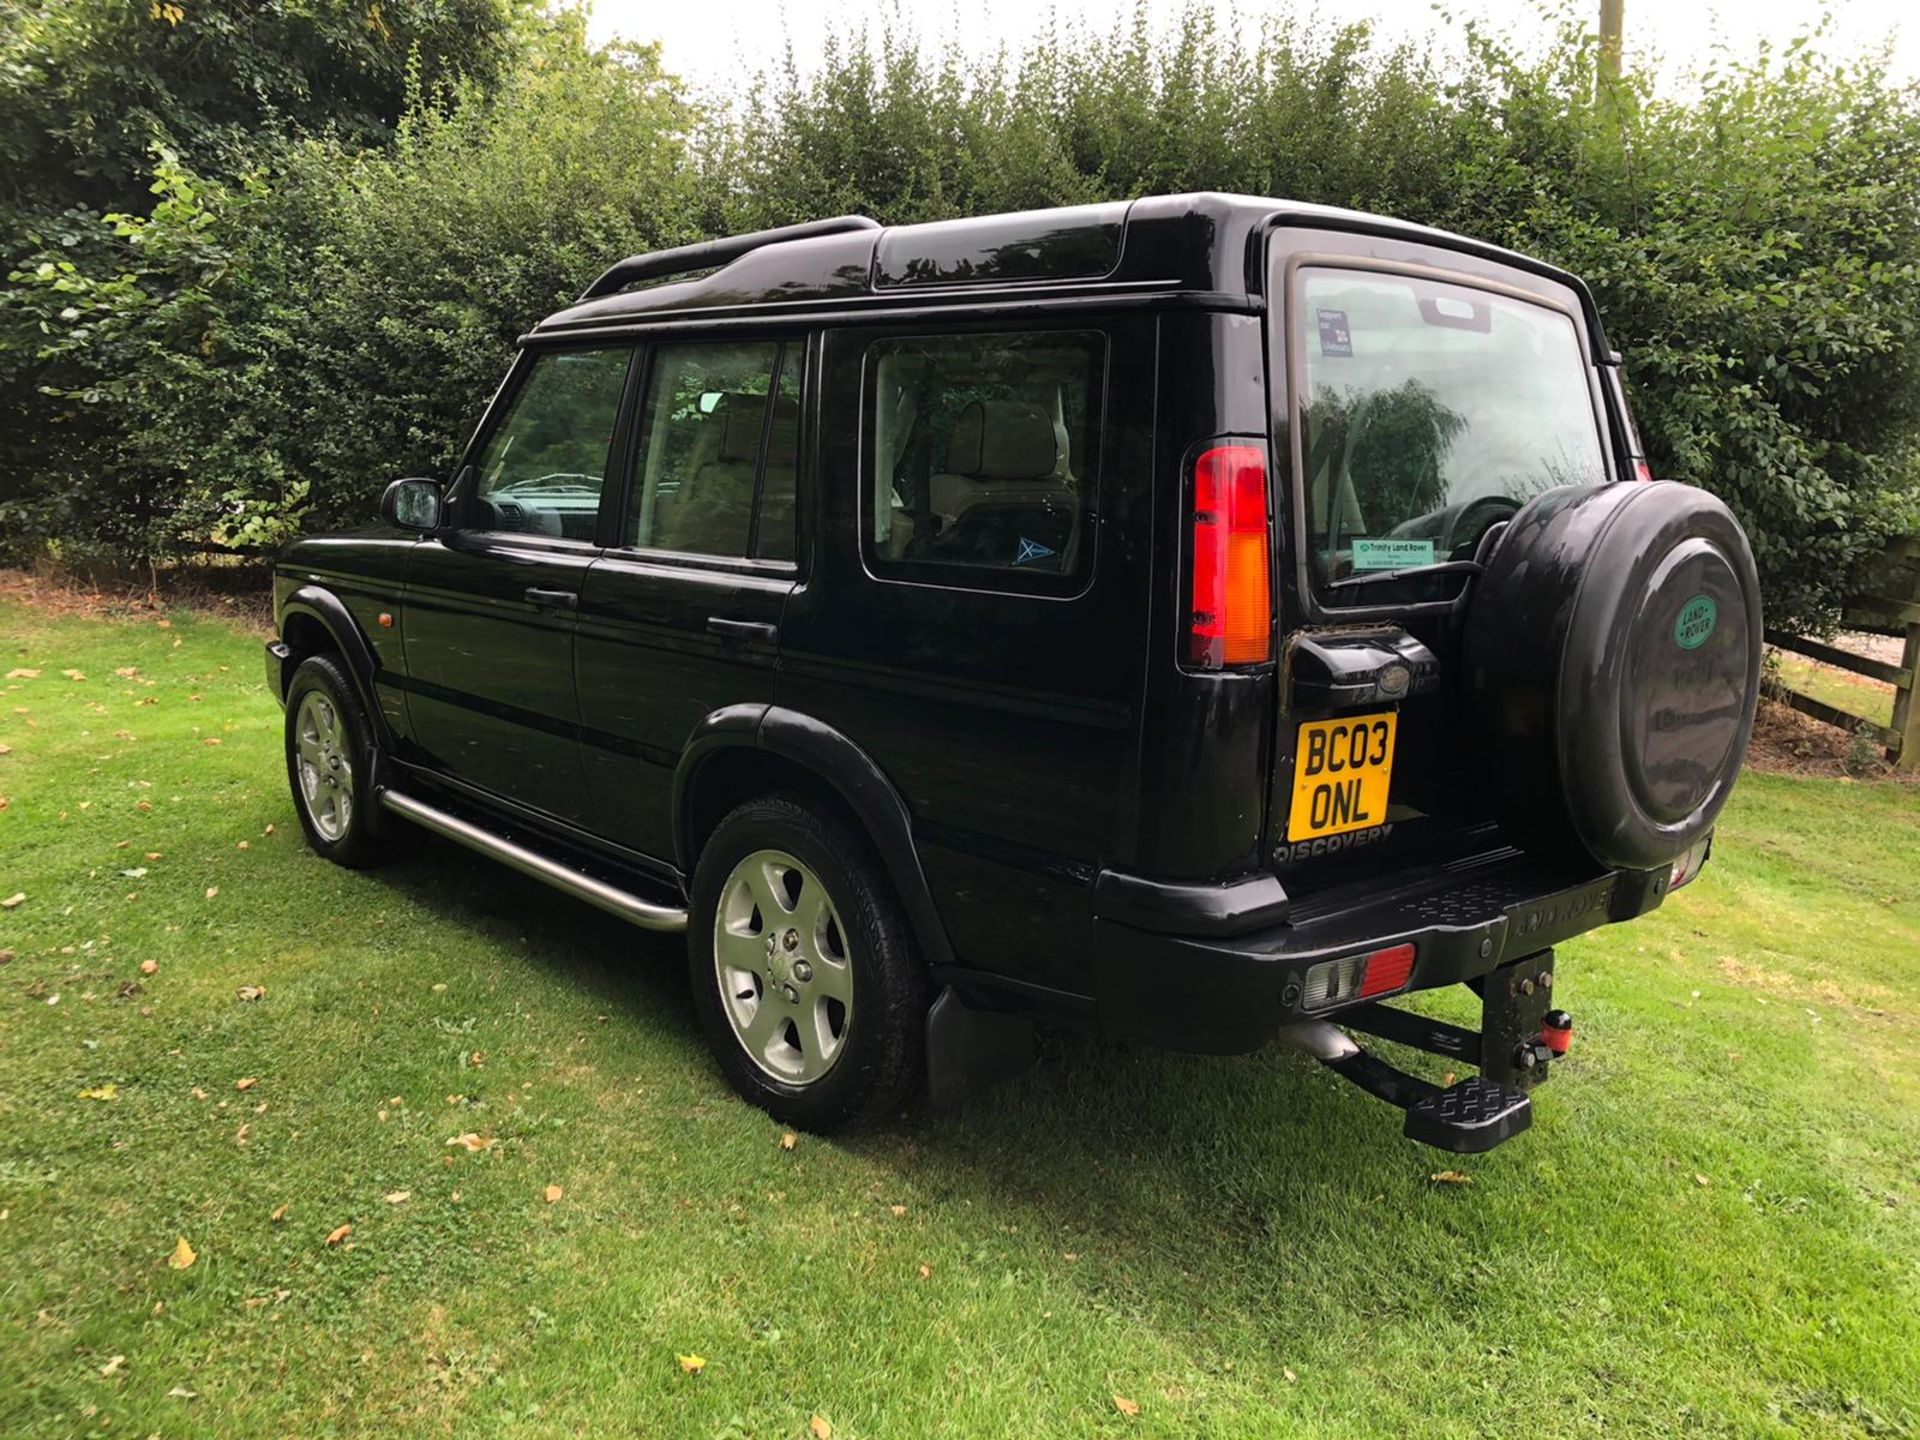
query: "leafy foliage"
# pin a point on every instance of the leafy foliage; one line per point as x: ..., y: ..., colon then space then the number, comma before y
x: 87, y: 87
x: 265, y: 349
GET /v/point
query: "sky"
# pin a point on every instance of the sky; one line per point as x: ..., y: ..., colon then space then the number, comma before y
x: 710, y: 43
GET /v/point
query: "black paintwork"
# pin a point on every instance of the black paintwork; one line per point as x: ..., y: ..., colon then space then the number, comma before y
x: 1079, y: 826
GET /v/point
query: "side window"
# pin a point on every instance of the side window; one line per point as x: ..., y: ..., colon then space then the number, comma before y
x: 544, y: 465
x: 982, y: 456
x: 719, y: 439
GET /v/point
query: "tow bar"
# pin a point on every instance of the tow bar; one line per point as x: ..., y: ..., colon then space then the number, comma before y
x: 1517, y: 1041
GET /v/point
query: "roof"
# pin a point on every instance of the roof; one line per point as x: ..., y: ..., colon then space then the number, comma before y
x: 1196, y: 243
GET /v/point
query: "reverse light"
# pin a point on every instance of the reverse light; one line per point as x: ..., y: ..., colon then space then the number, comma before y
x: 1357, y: 977
x: 1231, y: 615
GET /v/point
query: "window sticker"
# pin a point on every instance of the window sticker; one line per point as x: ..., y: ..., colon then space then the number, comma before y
x: 1032, y: 550
x: 1391, y: 554
x: 1335, y: 338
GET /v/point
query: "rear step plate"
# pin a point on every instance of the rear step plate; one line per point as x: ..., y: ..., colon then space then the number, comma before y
x: 1471, y: 1117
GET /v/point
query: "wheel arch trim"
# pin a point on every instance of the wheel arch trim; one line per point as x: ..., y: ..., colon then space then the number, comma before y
x: 844, y: 769
x: 328, y: 611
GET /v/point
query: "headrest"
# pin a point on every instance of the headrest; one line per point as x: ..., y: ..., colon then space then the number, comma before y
x: 739, y: 419
x: 1003, y: 440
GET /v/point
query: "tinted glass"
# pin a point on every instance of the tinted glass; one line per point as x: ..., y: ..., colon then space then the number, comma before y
x: 545, y: 464
x: 982, y: 455
x: 1431, y: 413
x: 774, y: 535
x: 703, y: 430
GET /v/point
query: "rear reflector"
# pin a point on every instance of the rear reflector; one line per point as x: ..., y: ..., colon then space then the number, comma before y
x: 1232, y: 610
x: 1358, y: 977
x: 1387, y: 970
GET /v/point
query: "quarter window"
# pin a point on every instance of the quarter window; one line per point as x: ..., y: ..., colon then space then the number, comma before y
x: 719, y: 446
x: 981, y: 458
x: 545, y: 464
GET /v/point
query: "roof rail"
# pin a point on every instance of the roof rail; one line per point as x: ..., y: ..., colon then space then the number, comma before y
x: 709, y: 254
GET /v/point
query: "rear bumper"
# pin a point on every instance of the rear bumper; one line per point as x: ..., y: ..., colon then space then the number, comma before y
x: 1228, y: 994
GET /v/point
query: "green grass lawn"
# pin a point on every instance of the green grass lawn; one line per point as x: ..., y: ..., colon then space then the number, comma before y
x: 1713, y: 1227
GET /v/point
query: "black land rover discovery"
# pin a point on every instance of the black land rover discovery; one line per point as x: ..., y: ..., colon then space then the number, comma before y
x: 1200, y: 619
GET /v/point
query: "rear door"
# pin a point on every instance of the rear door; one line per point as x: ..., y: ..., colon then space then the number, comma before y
x: 1428, y: 395
x: 489, y: 619
x: 975, y: 619
x: 682, y: 616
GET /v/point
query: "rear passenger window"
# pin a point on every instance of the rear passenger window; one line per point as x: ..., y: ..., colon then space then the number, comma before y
x: 981, y: 458
x: 719, y: 443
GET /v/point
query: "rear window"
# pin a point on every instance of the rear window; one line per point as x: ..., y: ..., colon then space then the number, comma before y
x: 981, y: 458
x: 1430, y: 413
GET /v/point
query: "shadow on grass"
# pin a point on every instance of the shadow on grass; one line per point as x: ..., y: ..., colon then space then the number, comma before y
x: 1099, y: 1139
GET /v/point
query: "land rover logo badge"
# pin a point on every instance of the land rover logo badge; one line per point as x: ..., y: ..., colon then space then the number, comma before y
x: 1695, y: 622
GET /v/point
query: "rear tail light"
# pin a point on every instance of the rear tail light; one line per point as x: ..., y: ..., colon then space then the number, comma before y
x: 1642, y: 470
x: 1232, y: 610
x: 1688, y: 867
x: 1358, y: 977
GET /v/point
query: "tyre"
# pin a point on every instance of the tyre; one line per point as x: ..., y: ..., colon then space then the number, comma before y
x: 804, y: 971
x: 1613, y: 667
x: 330, y: 764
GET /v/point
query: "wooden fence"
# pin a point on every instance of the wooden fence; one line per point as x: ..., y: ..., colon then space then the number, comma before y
x: 1892, y: 607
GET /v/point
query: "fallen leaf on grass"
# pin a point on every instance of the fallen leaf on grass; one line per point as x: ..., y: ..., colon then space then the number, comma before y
x: 1702, y: 1181
x: 250, y: 992
x: 243, y: 845
x: 820, y: 1428
x: 183, y: 1256
x: 130, y: 988
x: 138, y: 872
x: 213, y: 740
x: 898, y: 1209
x: 926, y: 1272
x: 692, y: 1364
x: 554, y: 1192
x: 246, y: 1083
x: 279, y: 1214
x: 471, y: 1141
x: 787, y: 1141
x: 1451, y: 1177
x: 1126, y: 1406
x: 337, y: 1236
x: 74, y: 674
x: 212, y: 890
x: 14, y: 901
x: 127, y: 672
x: 267, y: 831
x: 240, y: 1135
x: 149, y: 967
x: 399, y: 1197
x: 181, y: 1392
x: 1289, y: 1376
x: 109, y: 1091
x: 197, y: 1093
x: 113, y: 1364
x: 6, y: 957
x: 23, y: 674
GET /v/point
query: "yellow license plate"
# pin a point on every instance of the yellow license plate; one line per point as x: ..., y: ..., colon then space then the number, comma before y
x: 1341, y: 771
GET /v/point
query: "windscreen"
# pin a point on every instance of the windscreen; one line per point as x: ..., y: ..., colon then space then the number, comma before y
x: 1431, y: 412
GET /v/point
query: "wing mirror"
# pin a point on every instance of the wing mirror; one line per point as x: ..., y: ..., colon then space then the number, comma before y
x: 412, y: 504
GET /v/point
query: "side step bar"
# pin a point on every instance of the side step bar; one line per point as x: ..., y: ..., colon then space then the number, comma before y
x: 648, y: 915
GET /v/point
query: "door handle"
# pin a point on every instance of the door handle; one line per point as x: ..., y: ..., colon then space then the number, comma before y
x: 553, y: 599
x: 743, y: 629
